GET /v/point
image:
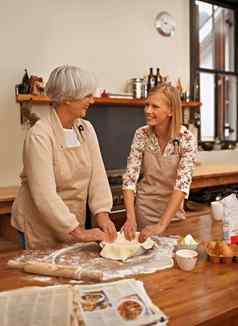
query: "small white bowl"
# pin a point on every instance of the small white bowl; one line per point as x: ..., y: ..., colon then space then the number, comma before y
x: 186, y: 259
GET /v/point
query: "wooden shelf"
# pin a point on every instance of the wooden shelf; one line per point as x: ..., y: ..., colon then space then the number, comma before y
x: 99, y: 101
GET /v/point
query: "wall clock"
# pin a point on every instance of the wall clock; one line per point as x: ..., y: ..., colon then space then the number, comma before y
x: 165, y: 24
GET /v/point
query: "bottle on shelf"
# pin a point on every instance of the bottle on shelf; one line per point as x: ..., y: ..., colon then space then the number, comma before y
x: 151, y: 82
x: 158, y: 77
x: 24, y: 87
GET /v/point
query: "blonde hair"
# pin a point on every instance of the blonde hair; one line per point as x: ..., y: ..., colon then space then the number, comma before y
x: 69, y: 83
x: 172, y: 99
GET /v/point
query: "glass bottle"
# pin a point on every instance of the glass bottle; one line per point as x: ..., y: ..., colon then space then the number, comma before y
x: 151, y: 80
x: 158, y: 77
x: 25, y: 85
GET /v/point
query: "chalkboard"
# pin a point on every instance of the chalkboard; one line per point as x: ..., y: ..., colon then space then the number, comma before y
x: 115, y: 127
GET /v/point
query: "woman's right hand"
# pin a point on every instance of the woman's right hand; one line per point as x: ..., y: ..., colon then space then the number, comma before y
x: 94, y: 234
x: 129, y: 229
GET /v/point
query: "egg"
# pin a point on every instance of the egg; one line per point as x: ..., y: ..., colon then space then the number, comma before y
x: 211, y: 245
x: 226, y: 251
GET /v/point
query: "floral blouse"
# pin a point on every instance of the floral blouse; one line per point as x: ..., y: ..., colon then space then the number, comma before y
x: 145, y: 138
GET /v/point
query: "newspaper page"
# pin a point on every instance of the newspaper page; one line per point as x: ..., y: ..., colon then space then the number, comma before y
x: 118, y: 303
x: 48, y: 306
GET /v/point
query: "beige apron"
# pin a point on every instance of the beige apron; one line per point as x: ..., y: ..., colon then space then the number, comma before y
x: 156, y: 187
x: 72, y: 170
x: 76, y: 168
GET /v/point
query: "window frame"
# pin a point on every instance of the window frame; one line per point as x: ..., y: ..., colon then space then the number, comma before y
x: 195, y: 69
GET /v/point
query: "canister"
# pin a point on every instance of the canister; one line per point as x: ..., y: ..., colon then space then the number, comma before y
x: 138, y: 87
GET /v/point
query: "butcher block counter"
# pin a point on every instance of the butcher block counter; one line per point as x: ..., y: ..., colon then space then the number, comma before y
x: 204, y: 175
x: 208, y: 295
x: 211, y: 174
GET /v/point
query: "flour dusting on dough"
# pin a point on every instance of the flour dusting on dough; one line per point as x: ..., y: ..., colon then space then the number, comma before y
x: 122, y: 249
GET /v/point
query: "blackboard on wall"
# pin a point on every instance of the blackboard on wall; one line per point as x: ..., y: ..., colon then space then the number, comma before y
x: 115, y: 127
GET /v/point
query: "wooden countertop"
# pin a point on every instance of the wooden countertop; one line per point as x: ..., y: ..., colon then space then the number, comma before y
x: 204, y: 175
x: 208, y: 295
x: 8, y: 193
x: 205, y: 170
x: 7, y: 196
x: 209, y: 175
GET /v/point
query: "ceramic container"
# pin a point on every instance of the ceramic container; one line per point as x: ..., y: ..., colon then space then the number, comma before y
x: 186, y: 259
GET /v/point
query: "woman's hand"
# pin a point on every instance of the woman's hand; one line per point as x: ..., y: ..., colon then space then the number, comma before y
x: 94, y: 234
x: 105, y: 223
x: 110, y: 230
x: 129, y: 229
x: 150, y: 230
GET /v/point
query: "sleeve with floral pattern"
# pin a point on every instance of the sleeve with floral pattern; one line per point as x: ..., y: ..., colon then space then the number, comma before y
x: 185, y: 167
x: 134, y: 161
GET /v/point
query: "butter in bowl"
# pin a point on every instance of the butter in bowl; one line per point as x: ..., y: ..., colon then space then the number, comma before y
x: 187, y: 242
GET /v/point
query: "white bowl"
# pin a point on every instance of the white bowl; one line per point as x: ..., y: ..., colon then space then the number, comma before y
x: 186, y: 259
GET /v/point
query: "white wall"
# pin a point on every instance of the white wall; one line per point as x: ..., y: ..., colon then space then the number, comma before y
x: 115, y: 39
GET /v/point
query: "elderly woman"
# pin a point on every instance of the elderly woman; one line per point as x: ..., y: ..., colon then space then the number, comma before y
x: 63, y: 169
x: 162, y: 152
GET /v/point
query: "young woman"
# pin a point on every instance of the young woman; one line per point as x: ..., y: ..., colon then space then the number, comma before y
x: 63, y: 169
x: 159, y: 169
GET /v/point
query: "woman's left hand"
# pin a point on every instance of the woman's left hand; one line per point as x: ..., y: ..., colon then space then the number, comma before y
x: 150, y: 230
x: 107, y: 226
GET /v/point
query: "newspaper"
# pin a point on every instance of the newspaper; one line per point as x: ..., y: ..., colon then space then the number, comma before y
x: 38, y: 306
x: 117, y: 303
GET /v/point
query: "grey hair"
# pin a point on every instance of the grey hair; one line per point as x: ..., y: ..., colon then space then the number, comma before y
x: 69, y: 83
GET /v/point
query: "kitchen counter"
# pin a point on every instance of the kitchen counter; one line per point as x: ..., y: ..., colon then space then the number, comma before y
x: 208, y: 295
x: 7, y: 196
x: 211, y: 174
x: 214, y: 169
x: 204, y: 175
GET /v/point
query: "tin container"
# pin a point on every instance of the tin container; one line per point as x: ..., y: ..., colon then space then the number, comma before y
x: 138, y: 87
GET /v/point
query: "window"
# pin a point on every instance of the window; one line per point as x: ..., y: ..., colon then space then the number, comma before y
x: 214, y: 73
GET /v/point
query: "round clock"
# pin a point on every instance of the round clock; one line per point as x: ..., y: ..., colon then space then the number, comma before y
x: 165, y: 24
